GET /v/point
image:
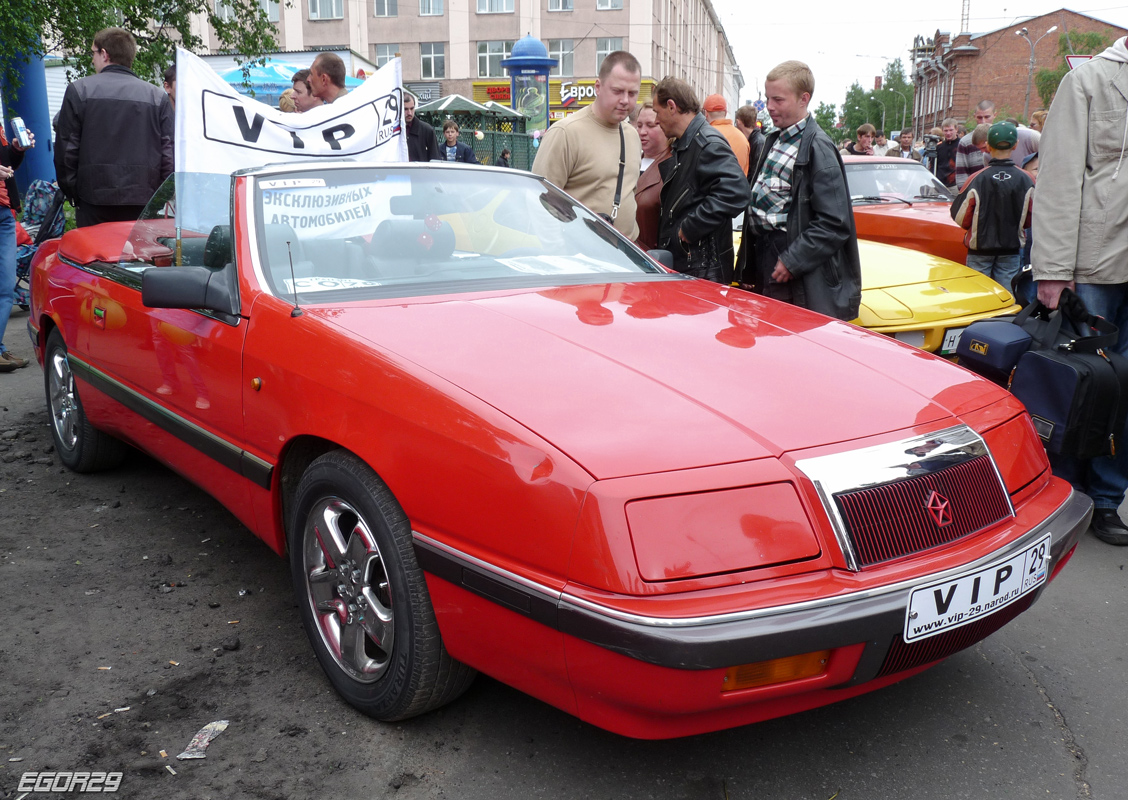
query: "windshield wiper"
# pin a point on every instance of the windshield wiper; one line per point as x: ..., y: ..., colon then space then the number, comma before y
x: 873, y: 198
x: 942, y: 197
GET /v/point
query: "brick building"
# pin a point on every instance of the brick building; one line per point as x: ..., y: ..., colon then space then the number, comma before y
x: 952, y: 75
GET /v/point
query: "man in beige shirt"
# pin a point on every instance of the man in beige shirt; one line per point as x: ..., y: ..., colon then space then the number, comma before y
x: 580, y: 153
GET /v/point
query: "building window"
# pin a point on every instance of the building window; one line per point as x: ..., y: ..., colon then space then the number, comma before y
x: 495, y: 6
x: 385, y: 53
x: 430, y: 8
x: 490, y: 55
x: 559, y: 5
x: 608, y: 5
x: 386, y: 8
x: 224, y: 11
x: 270, y: 9
x: 605, y: 47
x: 432, y: 60
x: 326, y: 9
x: 561, y: 50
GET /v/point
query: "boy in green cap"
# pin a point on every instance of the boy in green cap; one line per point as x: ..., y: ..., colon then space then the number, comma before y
x: 994, y: 208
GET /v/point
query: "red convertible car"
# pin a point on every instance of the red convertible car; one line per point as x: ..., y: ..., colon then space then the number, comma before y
x: 491, y: 435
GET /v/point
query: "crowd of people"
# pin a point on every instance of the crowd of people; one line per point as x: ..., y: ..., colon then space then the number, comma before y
x: 678, y: 177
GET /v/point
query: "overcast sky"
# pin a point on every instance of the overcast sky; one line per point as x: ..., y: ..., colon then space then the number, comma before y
x: 849, y: 41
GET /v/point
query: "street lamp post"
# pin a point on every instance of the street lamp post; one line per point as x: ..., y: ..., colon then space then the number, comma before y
x: 1030, y: 68
x: 904, y: 105
x: 874, y: 97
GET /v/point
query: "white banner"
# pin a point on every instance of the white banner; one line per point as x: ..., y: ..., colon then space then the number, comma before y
x: 315, y: 211
x: 219, y: 130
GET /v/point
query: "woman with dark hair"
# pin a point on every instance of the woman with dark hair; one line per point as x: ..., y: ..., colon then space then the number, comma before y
x: 648, y: 190
x: 503, y: 159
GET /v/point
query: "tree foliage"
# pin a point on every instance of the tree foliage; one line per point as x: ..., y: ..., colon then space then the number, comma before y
x: 855, y: 110
x: 1069, y: 43
x: 826, y: 115
x: 896, y: 93
x: 37, y: 27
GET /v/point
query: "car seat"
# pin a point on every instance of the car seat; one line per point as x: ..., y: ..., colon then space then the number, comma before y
x: 282, y: 245
x: 411, y: 246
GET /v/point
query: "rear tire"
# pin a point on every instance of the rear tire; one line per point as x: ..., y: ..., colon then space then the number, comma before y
x: 363, y: 597
x: 81, y: 446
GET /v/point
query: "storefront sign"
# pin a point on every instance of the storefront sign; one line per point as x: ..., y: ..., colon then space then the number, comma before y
x: 425, y: 91
x: 564, y: 94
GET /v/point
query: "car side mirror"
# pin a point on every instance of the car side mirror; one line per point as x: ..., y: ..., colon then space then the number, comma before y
x: 190, y: 287
x: 663, y: 257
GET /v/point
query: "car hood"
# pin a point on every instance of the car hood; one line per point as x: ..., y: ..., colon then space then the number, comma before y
x: 927, y: 212
x: 669, y: 374
x: 901, y: 286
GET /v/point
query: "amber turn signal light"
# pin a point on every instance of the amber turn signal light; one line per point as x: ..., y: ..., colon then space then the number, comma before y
x: 778, y: 670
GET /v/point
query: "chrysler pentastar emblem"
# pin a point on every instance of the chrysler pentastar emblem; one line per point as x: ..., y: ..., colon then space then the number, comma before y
x: 940, y: 509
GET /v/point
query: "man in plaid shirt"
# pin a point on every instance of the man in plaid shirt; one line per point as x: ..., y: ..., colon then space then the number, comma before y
x: 801, y: 245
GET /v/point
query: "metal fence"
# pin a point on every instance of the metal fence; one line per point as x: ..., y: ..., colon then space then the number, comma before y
x: 497, y: 135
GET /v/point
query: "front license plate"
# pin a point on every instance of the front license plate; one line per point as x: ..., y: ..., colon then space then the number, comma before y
x: 957, y: 601
x: 951, y: 341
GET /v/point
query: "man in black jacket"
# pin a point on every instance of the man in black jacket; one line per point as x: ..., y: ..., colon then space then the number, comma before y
x: 113, y: 146
x: 946, y: 153
x: 703, y: 186
x: 803, y: 248
x: 421, y: 142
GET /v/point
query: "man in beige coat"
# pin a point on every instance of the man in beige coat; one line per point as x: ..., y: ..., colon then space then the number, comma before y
x: 1081, y: 236
x: 585, y: 153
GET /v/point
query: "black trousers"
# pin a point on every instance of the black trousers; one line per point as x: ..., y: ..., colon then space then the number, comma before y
x: 766, y: 250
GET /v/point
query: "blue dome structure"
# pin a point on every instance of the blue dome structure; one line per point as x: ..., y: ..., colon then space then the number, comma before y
x: 527, y: 53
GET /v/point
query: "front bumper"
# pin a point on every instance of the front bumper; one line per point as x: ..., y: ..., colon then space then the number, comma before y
x: 876, y: 616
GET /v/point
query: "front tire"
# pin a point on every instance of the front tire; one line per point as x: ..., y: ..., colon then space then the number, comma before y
x: 363, y: 597
x: 81, y: 446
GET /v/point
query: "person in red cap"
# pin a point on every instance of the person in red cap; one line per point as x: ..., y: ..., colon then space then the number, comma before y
x: 716, y: 109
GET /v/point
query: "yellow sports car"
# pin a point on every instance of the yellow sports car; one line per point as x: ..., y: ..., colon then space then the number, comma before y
x: 925, y: 300
x: 922, y: 299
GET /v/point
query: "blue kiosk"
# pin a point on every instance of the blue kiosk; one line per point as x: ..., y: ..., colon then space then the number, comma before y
x: 529, y: 65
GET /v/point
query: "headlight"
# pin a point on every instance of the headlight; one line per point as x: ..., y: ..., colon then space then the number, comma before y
x: 691, y: 535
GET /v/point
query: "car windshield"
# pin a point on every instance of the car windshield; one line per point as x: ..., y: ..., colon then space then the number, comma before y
x: 372, y: 231
x: 885, y: 182
x: 174, y: 229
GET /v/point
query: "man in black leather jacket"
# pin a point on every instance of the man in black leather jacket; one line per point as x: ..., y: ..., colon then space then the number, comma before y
x: 113, y: 146
x: 802, y: 246
x: 421, y: 142
x: 703, y: 187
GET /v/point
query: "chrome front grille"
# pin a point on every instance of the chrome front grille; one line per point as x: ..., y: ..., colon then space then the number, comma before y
x: 896, y: 519
x: 905, y: 497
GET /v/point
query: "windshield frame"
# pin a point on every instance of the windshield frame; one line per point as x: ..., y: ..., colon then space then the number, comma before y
x: 647, y: 269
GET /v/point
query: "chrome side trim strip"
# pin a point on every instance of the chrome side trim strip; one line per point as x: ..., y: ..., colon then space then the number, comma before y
x: 532, y: 586
x: 215, y: 447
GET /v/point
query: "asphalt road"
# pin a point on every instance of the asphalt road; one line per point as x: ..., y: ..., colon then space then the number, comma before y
x: 135, y: 569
